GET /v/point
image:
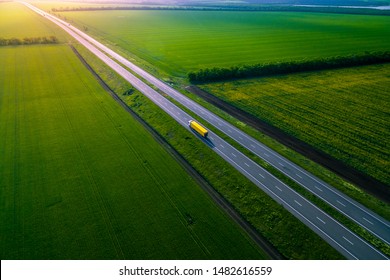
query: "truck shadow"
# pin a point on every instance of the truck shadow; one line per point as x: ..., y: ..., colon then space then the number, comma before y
x: 206, y: 140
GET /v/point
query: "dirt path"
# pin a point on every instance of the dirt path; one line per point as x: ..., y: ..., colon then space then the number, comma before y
x: 251, y: 231
x: 365, y: 182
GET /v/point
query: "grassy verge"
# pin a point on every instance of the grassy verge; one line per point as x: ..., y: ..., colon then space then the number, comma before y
x: 287, y: 234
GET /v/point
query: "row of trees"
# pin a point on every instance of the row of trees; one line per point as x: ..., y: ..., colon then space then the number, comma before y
x: 28, y: 41
x: 279, y: 68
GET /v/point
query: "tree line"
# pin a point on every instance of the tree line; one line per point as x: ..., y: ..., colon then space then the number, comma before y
x: 248, y: 8
x: 279, y: 68
x: 28, y: 41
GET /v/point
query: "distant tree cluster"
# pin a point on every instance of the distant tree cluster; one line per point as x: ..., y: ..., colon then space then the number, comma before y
x: 279, y: 68
x: 28, y: 41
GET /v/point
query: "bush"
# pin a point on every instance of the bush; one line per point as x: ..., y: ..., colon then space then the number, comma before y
x: 28, y: 41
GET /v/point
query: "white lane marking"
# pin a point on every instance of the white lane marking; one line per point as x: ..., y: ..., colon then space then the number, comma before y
x: 341, y: 203
x: 229, y: 130
x: 279, y: 189
x: 267, y: 155
x: 348, y: 240
x: 318, y: 188
x: 222, y: 145
x: 321, y: 220
x: 246, y: 164
x: 261, y: 176
x: 234, y: 155
x: 298, y: 175
x: 281, y: 164
x: 211, y: 138
x: 253, y: 146
x: 240, y: 137
x: 368, y: 221
x: 297, y: 202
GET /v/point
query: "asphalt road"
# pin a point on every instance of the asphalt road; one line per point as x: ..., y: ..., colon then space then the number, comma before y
x: 358, y: 213
x: 342, y: 239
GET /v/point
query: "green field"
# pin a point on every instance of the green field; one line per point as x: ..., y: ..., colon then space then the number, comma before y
x: 81, y: 179
x: 180, y: 41
x: 342, y: 112
x: 17, y: 21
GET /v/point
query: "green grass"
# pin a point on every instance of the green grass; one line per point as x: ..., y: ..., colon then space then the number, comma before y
x: 180, y: 41
x: 341, y: 112
x: 81, y: 179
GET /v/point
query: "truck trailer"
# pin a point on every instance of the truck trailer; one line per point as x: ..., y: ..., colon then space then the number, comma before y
x: 198, y: 128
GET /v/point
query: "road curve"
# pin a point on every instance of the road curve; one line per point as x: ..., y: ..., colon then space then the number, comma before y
x: 355, y: 211
x: 342, y: 239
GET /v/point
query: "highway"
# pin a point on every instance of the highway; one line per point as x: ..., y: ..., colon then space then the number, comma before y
x: 355, y: 211
x: 346, y: 242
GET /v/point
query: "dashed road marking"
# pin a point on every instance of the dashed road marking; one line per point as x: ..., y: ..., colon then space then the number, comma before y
x: 297, y: 202
x: 321, y: 220
x: 368, y: 221
x: 341, y: 203
x: 318, y: 188
x: 348, y: 240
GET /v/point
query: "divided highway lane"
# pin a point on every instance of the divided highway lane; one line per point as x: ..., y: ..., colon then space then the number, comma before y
x: 366, y: 218
x: 343, y: 240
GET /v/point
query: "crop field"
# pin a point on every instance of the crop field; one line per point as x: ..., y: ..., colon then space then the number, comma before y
x: 344, y: 113
x: 181, y: 41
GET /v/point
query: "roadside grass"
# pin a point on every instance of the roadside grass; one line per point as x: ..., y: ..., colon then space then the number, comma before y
x: 81, y: 179
x: 293, y: 239
x: 177, y: 42
x: 18, y: 21
x: 341, y: 112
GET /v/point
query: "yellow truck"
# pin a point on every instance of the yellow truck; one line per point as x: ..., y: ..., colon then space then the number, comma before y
x: 198, y: 128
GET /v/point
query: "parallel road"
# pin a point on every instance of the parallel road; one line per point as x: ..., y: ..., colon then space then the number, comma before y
x: 342, y: 239
x: 369, y: 220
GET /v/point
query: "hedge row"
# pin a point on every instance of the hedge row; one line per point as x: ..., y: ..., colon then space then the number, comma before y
x: 267, y: 69
x: 28, y: 41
